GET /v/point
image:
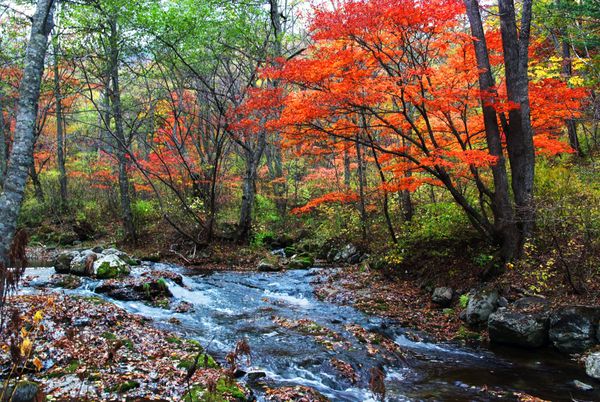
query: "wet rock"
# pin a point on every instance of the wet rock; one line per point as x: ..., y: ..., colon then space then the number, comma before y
x: 268, y: 265
x: 582, y: 386
x: 135, y: 289
x: 183, y: 307
x: 592, y: 365
x: 481, y: 304
x: 442, y: 296
x: 518, y: 328
x: 254, y: 376
x: 158, y: 273
x: 25, y: 391
x: 573, y: 329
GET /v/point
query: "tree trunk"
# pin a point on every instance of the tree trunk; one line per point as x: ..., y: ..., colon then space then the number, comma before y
x: 21, y: 156
x: 37, y: 185
x: 567, y: 70
x: 274, y: 154
x: 347, y: 173
x: 3, y: 142
x: 60, y: 141
x: 122, y: 144
x: 361, y: 190
x: 386, y: 198
x: 504, y: 222
x: 519, y: 135
x: 248, y: 196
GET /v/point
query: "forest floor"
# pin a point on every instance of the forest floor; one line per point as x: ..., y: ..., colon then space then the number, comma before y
x: 86, y: 348
x: 404, y: 293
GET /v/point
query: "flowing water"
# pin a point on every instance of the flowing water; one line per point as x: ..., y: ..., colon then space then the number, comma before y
x: 230, y: 305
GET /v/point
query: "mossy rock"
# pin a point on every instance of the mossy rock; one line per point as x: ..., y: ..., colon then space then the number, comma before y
x: 108, y: 271
x: 302, y: 261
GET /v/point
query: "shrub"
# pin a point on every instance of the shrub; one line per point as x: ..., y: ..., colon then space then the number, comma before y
x: 144, y: 211
x: 32, y: 213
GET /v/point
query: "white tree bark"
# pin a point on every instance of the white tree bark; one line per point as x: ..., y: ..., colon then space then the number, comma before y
x: 21, y: 156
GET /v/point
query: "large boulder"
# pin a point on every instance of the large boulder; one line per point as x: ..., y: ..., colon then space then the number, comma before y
x: 104, y: 264
x: 62, y: 262
x: 442, y: 296
x: 592, y: 365
x: 346, y: 254
x: 82, y: 263
x: 518, y: 328
x: 110, y: 266
x: 573, y: 329
x: 481, y: 304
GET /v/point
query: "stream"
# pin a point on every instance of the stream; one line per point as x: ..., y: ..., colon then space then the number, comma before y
x: 228, y: 306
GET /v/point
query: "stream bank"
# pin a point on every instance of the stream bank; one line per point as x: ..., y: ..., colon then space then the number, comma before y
x: 297, y: 340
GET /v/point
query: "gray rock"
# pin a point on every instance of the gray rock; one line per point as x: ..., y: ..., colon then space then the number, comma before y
x: 80, y: 264
x: 268, y: 266
x: 582, y: 386
x: 592, y: 365
x: 346, y: 253
x: 573, y: 329
x: 110, y: 266
x: 113, y: 251
x: 530, y: 301
x: 518, y: 328
x: 481, y: 304
x: 135, y: 289
x: 25, y: 391
x: 442, y: 296
x: 62, y: 262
